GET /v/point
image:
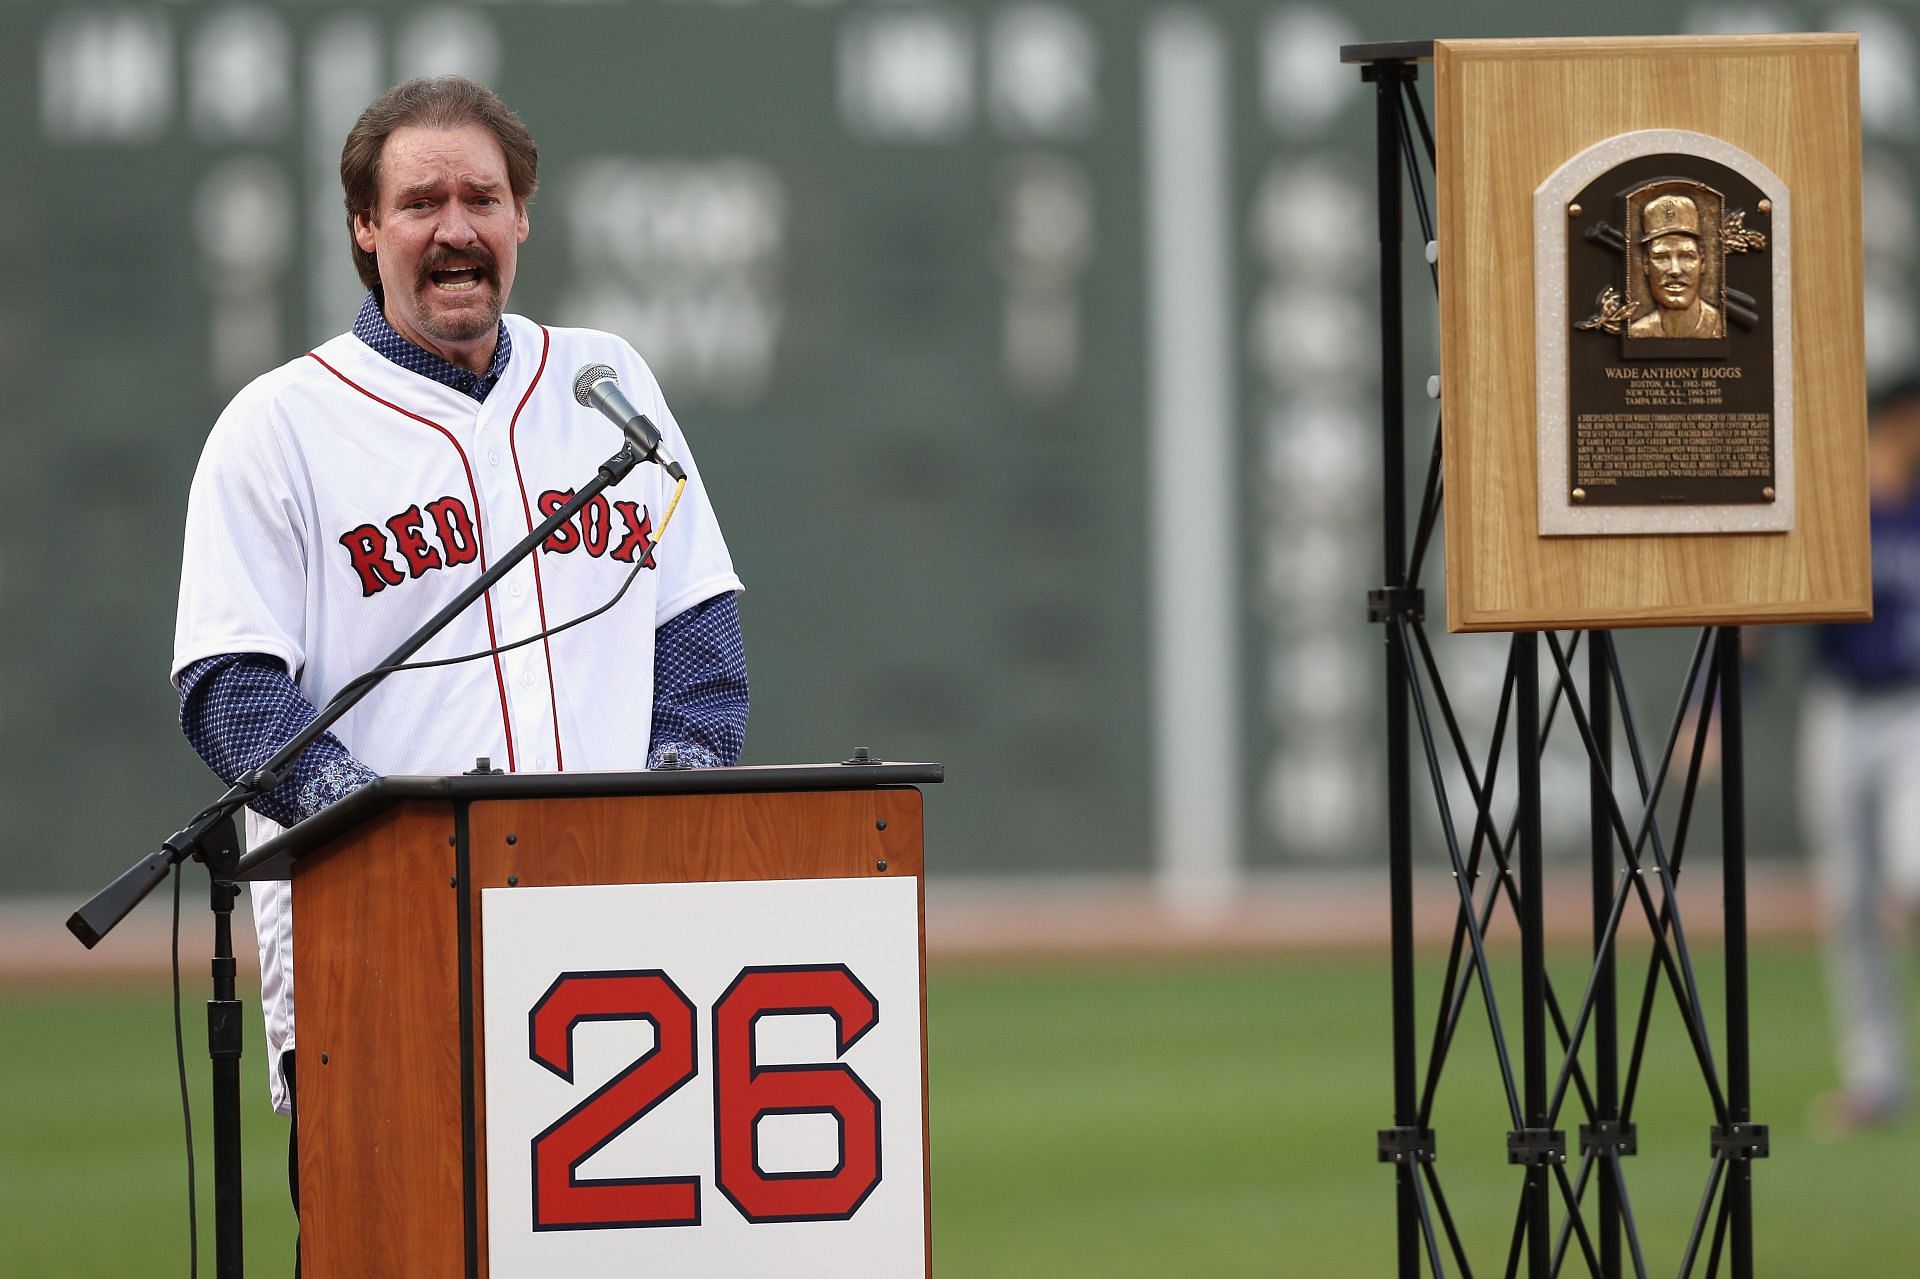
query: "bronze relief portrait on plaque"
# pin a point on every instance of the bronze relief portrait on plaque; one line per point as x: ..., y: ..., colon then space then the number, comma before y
x: 1676, y: 273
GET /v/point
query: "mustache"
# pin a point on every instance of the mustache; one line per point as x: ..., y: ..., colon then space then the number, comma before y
x: 475, y: 258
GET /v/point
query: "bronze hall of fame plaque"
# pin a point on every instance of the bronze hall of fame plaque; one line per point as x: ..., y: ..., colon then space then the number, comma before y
x: 1668, y: 414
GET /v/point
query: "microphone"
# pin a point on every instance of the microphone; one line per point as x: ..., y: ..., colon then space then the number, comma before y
x: 596, y: 386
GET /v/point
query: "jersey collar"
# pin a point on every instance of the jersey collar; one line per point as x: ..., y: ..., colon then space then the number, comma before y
x: 371, y: 327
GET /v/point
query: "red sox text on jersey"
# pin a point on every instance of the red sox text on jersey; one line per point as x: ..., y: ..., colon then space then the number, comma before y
x: 440, y: 534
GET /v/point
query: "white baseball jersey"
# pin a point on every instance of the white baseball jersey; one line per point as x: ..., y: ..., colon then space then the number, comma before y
x: 341, y: 500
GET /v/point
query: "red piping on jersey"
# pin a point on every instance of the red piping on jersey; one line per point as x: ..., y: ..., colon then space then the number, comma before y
x: 539, y: 592
x: 479, y: 529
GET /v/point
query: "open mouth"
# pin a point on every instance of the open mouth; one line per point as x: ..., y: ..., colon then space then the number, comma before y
x: 456, y: 279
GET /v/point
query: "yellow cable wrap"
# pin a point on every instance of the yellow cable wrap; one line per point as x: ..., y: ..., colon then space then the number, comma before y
x: 672, y: 506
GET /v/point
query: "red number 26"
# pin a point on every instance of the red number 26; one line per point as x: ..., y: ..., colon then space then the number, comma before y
x: 744, y: 1093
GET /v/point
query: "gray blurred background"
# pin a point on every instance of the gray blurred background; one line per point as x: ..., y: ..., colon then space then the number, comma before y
x: 1028, y: 348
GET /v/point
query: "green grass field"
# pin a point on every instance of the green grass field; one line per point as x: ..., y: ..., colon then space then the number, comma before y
x: 1141, y: 1119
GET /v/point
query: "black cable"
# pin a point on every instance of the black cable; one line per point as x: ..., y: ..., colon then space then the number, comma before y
x: 381, y: 672
x: 186, y: 1105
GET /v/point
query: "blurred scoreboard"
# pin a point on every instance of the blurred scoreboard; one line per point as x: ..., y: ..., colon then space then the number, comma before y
x: 1028, y: 350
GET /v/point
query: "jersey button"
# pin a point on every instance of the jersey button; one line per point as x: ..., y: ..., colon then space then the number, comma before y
x: 526, y: 677
x: 513, y: 589
x: 493, y: 457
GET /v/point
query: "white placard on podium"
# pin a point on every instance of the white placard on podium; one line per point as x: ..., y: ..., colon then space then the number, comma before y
x: 704, y: 1079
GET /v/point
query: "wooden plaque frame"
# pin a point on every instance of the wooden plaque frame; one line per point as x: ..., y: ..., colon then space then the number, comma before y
x: 1510, y: 112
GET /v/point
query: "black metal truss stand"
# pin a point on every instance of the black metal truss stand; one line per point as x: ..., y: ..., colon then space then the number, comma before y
x: 1575, y: 1210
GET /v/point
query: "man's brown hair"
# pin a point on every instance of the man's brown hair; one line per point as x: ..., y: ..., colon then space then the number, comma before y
x: 440, y: 102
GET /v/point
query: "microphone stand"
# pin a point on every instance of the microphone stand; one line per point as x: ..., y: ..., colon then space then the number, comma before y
x: 213, y: 839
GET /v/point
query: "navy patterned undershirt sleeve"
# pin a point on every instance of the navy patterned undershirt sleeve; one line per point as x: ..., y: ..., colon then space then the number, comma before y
x: 700, y: 686
x: 238, y: 708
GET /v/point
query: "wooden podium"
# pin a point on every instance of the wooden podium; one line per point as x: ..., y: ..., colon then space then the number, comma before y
x: 388, y: 906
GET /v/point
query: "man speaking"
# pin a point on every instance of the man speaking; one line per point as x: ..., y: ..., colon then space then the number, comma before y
x: 345, y: 497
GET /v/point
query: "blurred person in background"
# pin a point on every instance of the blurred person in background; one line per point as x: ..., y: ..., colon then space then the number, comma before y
x: 345, y: 497
x: 1860, y: 780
